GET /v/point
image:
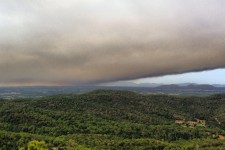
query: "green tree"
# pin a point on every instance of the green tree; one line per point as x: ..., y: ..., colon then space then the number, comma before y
x: 36, y: 145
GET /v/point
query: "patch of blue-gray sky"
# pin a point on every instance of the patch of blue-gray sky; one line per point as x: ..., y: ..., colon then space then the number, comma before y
x: 205, y: 77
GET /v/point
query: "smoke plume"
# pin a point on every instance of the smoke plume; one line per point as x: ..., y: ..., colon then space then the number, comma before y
x: 80, y: 41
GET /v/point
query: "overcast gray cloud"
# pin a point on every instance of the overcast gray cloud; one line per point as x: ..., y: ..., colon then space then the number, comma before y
x: 86, y: 41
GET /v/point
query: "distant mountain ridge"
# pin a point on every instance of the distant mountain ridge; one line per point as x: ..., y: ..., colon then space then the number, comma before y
x: 184, y: 89
x: 131, y: 84
x: 191, y: 86
x: 219, y: 85
x: 156, y: 85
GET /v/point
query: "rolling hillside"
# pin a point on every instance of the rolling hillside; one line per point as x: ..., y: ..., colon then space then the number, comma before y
x: 111, y: 119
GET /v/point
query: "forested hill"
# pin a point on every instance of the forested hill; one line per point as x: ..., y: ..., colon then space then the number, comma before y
x: 110, y: 119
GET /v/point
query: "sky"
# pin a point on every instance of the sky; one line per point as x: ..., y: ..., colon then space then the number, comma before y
x: 203, y: 77
x: 73, y: 42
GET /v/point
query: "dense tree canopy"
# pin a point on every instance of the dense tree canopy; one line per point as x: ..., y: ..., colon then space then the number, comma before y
x: 112, y: 120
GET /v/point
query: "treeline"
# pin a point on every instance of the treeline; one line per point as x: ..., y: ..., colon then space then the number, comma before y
x: 25, y: 141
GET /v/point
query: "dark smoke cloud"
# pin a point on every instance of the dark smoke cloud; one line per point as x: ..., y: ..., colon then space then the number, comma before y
x: 81, y: 41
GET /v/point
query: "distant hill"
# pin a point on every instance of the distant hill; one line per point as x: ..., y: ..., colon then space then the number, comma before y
x: 153, y: 85
x: 40, y: 91
x: 219, y: 85
x: 171, y: 86
x: 114, y: 119
x: 130, y: 84
x: 200, y: 86
x: 190, y: 86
